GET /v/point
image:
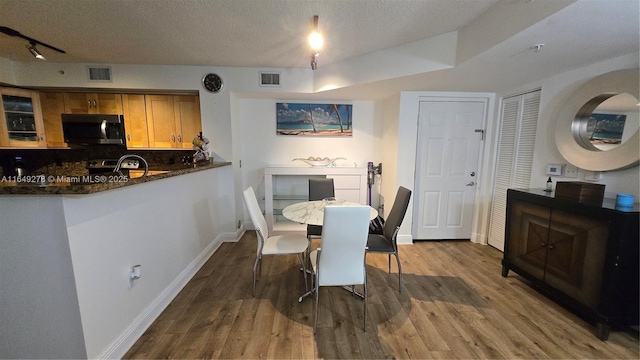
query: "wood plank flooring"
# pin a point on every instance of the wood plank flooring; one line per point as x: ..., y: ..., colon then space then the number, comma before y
x: 454, y: 305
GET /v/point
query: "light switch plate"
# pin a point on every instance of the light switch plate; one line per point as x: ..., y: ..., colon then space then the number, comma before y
x: 570, y: 171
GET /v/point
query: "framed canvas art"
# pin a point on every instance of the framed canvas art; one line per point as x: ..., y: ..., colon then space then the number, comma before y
x: 308, y: 119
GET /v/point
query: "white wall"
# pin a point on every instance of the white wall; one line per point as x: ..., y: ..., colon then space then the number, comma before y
x: 39, y: 311
x: 66, y: 259
x: 260, y: 146
x: 169, y: 226
x: 555, y: 90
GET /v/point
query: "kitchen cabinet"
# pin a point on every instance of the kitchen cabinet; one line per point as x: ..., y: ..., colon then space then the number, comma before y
x: 52, y: 104
x: 135, y: 121
x: 583, y: 256
x: 188, y: 122
x: 21, y: 123
x: 92, y: 103
x: 173, y: 121
x: 286, y: 185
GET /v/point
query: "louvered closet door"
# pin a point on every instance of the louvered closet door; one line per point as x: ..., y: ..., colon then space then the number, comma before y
x: 519, y: 121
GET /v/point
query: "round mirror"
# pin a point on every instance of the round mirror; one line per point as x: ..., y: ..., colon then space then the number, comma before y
x: 597, y: 127
x: 606, y: 121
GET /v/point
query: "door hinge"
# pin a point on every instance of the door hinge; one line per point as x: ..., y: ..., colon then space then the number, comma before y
x: 481, y: 131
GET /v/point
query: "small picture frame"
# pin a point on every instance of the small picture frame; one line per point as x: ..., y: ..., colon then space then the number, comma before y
x: 555, y: 169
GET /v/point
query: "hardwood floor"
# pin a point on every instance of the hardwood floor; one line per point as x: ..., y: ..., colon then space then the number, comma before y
x: 454, y: 304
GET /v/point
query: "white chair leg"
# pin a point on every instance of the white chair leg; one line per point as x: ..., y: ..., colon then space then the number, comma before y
x: 365, y: 302
x: 255, y: 269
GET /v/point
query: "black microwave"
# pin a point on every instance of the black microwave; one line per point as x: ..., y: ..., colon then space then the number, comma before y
x: 93, y: 129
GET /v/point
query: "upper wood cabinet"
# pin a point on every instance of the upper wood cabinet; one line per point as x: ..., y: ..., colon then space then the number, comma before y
x: 173, y: 121
x: 188, y: 122
x: 151, y: 121
x: 89, y: 103
x: 21, y: 119
x: 135, y: 121
x: 52, y: 104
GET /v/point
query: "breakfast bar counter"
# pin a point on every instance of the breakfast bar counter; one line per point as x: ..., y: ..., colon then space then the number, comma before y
x: 90, y: 184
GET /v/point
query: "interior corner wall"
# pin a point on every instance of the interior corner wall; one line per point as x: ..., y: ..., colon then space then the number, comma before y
x: 390, y: 160
x: 555, y: 91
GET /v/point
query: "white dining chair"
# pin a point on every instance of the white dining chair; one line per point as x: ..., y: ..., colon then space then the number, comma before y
x: 272, y: 245
x: 340, y: 260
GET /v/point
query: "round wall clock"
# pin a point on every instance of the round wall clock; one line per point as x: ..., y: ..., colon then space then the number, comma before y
x: 212, y: 82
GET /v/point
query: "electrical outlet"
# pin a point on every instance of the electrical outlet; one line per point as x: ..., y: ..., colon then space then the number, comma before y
x: 570, y: 171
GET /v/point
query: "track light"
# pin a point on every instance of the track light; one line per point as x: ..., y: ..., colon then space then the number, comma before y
x: 36, y: 54
x: 315, y: 41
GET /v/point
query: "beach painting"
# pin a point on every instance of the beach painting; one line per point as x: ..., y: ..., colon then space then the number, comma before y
x: 307, y: 119
x: 606, y: 128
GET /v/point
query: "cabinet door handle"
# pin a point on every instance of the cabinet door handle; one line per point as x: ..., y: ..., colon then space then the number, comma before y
x: 173, y: 138
x: 550, y: 247
x: 88, y: 103
x: 128, y: 137
x: 41, y: 136
x: 95, y: 103
x: 543, y: 245
x: 179, y: 138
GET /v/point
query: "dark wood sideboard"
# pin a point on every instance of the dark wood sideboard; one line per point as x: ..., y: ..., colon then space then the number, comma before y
x: 584, y: 257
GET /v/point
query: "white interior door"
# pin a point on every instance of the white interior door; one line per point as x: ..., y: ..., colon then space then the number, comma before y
x: 449, y: 138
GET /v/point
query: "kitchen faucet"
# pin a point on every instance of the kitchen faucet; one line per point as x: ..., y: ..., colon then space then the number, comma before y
x: 126, y: 156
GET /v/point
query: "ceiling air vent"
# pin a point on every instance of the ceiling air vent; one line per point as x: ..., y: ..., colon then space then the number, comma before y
x: 269, y: 79
x: 100, y: 74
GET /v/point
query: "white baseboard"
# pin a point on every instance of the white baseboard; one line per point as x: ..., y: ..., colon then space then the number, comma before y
x: 405, y: 240
x: 141, y: 323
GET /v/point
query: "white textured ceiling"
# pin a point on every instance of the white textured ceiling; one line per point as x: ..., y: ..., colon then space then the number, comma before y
x: 272, y: 33
x: 255, y: 33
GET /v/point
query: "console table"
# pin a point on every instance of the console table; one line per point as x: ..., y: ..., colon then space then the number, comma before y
x: 584, y: 257
x: 285, y: 185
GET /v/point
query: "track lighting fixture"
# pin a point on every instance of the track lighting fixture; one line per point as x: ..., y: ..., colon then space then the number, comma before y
x: 315, y: 41
x: 32, y: 42
x: 32, y: 49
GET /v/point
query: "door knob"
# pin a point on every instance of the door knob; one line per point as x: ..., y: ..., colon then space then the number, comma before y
x: 471, y: 184
x: 473, y: 173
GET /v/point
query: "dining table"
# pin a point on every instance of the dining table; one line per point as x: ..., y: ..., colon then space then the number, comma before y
x: 312, y: 213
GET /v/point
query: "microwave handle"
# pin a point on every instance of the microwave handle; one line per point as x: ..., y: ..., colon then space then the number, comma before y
x: 103, y: 129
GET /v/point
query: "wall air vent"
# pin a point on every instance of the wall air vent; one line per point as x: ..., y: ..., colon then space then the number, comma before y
x: 269, y: 79
x: 99, y: 73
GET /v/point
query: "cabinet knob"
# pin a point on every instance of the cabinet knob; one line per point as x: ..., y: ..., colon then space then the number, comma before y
x: 95, y: 103
x: 173, y: 138
x: 41, y: 136
x: 128, y: 137
x: 88, y: 103
x: 179, y: 138
x: 550, y: 247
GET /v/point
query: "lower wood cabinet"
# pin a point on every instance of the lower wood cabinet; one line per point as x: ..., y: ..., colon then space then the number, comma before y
x: 585, y: 257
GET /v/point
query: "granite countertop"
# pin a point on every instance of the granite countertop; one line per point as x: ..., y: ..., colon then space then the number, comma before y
x: 91, y: 184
